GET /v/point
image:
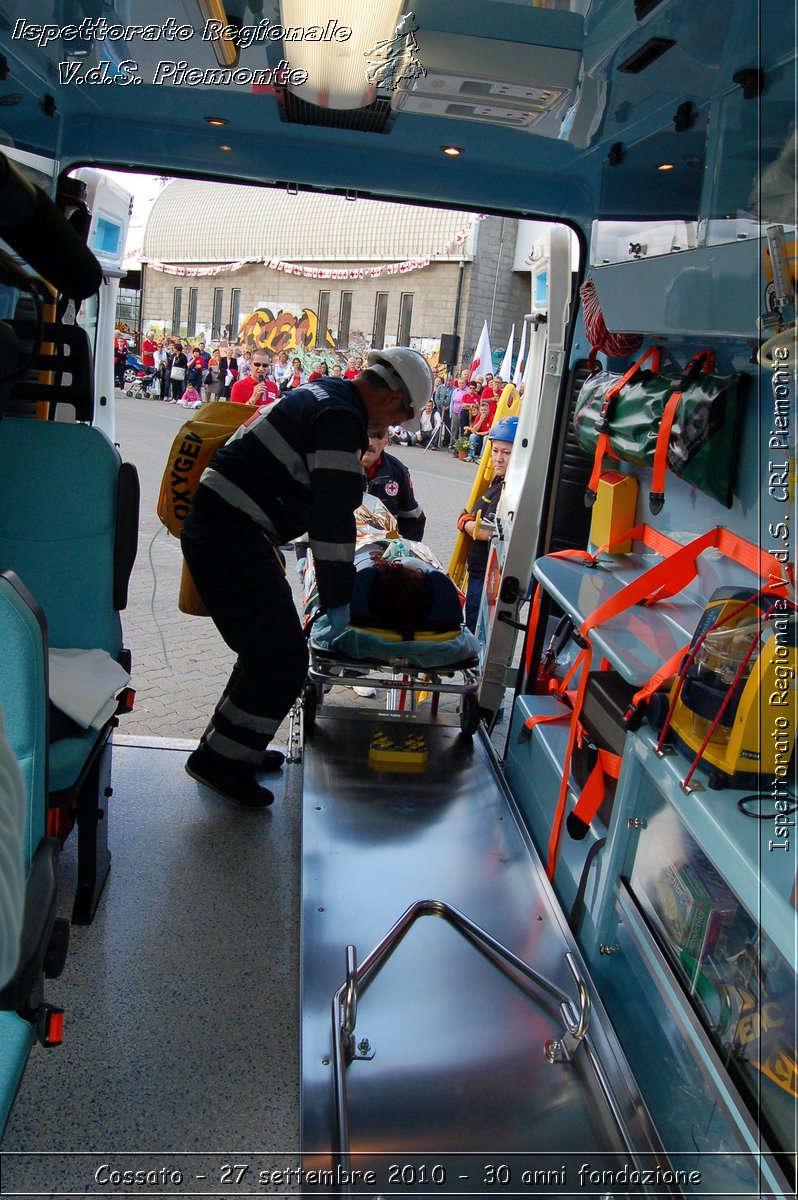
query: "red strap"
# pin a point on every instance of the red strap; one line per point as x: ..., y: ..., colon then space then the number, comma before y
x: 665, y: 672
x: 531, y: 722
x: 602, y: 448
x: 664, y: 579
x: 602, y: 420
x: 661, y: 581
x: 704, y: 359
x: 592, y: 794
x: 559, y: 813
x: 657, y: 495
x: 531, y: 630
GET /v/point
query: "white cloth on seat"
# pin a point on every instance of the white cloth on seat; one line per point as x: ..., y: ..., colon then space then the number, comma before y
x: 84, y: 685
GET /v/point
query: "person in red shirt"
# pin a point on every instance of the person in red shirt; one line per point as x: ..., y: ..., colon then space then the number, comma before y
x: 148, y: 348
x: 492, y: 392
x: 319, y: 372
x: 257, y: 387
x: 477, y: 430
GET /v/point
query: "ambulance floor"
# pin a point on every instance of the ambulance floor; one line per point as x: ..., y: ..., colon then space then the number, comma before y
x: 182, y: 997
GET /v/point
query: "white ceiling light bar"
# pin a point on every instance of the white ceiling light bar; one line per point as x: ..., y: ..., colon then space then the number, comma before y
x: 336, y: 66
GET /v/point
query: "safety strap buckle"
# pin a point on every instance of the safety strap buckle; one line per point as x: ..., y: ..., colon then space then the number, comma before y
x: 125, y: 700
x: 633, y: 717
x: 49, y: 1025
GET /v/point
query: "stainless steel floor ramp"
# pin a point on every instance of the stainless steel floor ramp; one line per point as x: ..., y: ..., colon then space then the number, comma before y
x: 348, y: 1048
x: 449, y: 1066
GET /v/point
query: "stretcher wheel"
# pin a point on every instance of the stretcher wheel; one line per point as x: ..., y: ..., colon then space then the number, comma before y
x: 310, y: 702
x: 130, y: 393
x: 469, y: 716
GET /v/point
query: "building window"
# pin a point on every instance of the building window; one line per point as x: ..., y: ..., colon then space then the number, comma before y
x: 177, y: 305
x: 324, y: 316
x: 191, y: 324
x: 405, y: 315
x: 235, y: 311
x: 344, y: 319
x: 216, y: 320
x: 380, y: 314
x: 127, y: 307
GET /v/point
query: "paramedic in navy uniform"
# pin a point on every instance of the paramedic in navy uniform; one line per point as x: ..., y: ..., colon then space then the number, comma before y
x: 292, y: 468
x: 389, y: 480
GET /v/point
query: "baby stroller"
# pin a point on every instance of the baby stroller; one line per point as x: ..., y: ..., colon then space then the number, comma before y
x: 146, y: 385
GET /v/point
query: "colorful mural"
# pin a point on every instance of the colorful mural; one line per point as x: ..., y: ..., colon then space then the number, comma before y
x: 263, y: 330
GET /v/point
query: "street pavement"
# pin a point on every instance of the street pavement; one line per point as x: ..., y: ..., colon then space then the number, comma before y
x: 180, y: 662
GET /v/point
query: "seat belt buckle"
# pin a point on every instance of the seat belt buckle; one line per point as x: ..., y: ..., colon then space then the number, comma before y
x: 656, y: 501
x: 580, y: 640
x: 590, y: 497
x: 633, y: 717
x: 49, y: 1025
x: 125, y: 700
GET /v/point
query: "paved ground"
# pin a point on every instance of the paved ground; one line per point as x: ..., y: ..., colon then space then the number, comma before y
x: 179, y: 662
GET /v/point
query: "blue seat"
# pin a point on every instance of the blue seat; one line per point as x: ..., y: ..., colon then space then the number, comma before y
x: 69, y: 528
x: 41, y: 941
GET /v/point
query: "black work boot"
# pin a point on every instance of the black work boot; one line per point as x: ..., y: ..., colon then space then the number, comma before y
x: 234, y: 783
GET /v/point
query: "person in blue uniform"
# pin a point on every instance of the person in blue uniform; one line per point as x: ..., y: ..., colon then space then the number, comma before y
x: 291, y: 469
x: 389, y: 480
x: 480, y: 523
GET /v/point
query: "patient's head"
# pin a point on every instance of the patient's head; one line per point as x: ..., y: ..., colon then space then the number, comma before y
x: 400, y: 595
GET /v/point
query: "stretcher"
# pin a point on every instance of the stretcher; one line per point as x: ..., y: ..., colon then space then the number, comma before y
x: 406, y: 638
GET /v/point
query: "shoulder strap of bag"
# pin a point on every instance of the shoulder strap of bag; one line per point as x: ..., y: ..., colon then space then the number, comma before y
x: 703, y: 361
x: 603, y: 420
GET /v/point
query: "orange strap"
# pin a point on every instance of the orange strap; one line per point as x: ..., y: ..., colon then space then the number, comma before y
x: 705, y: 360
x: 592, y: 795
x: 582, y: 661
x: 661, y: 581
x: 603, y: 422
x: 530, y: 723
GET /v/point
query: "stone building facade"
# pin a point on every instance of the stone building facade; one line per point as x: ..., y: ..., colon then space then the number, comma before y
x: 334, y: 275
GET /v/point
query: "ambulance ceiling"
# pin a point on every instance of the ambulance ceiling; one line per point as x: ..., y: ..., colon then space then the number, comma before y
x: 561, y: 98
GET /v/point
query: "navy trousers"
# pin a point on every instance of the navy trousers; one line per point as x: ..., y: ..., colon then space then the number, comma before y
x: 239, y: 575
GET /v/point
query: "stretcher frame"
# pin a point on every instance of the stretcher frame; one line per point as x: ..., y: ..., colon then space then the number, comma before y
x: 403, y: 686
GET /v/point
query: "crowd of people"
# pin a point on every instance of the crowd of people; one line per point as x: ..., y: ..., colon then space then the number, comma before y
x: 460, y: 410
x: 191, y: 374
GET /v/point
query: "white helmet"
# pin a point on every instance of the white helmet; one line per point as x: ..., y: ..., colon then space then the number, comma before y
x: 404, y: 368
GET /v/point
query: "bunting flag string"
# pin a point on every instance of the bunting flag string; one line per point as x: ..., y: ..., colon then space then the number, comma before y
x: 278, y: 264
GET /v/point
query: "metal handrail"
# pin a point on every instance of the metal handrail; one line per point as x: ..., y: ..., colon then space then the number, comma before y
x: 358, y: 977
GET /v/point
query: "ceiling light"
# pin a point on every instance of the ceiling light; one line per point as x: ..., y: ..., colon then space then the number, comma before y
x: 217, y: 121
x: 665, y: 166
x: 225, y: 147
x: 452, y: 151
x: 225, y: 49
x: 336, y: 66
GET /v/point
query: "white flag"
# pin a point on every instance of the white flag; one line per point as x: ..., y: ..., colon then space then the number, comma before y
x: 483, y: 360
x: 506, y: 369
x: 519, y: 366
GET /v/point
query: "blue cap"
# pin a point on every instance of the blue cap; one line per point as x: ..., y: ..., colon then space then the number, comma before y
x: 504, y: 430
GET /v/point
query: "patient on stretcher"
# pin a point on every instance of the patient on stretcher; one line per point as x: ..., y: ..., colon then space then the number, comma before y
x: 404, y: 607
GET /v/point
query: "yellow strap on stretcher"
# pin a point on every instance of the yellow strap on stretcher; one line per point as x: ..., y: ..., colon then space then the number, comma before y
x: 388, y: 635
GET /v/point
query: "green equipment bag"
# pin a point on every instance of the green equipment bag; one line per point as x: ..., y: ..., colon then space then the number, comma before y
x: 688, y: 423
